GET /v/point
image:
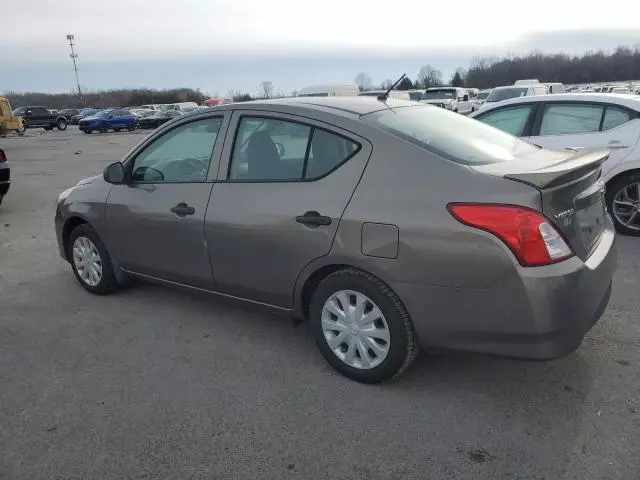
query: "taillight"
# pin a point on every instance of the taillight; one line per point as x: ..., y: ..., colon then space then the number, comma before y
x: 3, y: 157
x: 529, y: 234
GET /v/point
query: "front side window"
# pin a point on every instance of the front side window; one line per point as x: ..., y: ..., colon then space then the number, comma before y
x: 182, y: 154
x: 267, y: 149
x: 452, y: 136
x: 570, y: 119
x: 614, y: 117
x: 511, y: 119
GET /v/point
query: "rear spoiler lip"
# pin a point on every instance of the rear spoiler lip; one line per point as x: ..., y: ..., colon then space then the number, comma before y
x: 557, y: 173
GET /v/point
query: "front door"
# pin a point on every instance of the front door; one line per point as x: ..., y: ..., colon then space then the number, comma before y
x: 284, y: 183
x: 584, y: 125
x: 155, y: 221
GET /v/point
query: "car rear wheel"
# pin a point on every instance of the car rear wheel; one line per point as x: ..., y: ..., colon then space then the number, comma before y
x: 623, y: 202
x: 61, y: 124
x: 90, y: 261
x: 88, y: 131
x: 361, y: 327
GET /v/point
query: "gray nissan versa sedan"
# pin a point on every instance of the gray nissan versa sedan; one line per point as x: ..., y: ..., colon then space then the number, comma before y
x: 387, y: 225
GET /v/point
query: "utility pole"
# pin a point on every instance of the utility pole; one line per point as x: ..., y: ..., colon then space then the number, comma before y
x: 73, y: 56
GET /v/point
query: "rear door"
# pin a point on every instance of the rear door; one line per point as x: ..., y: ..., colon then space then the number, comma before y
x: 587, y: 125
x: 283, y: 185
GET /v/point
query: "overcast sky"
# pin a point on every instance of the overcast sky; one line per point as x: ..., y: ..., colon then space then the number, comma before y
x: 217, y: 45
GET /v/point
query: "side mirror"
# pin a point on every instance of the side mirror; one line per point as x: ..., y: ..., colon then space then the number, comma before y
x: 113, y: 173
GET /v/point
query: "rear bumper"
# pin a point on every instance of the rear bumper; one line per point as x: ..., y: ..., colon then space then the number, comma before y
x: 537, y: 313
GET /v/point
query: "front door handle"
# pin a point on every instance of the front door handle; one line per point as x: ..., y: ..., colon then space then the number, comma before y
x: 313, y: 219
x: 182, y: 209
x: 616, y: 144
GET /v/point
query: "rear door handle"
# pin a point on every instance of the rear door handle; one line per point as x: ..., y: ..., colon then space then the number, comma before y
x: 313, y: 219
x: 616, y: 144
x: 182, y: 209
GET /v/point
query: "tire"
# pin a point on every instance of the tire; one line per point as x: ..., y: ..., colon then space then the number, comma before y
x: 116, y: 129
x: 85, y: 237
x: 402, y: 345
x: 48, y: 128
x: 619, y: 214
x: 61, y: 124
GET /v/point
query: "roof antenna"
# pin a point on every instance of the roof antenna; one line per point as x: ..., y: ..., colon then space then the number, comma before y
x: 385, y: 95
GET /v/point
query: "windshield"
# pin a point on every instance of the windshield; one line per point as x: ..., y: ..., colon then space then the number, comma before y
x: 482, y: 95
x: 452, y: 136
x: 442, y: 93
x: 498, y: 95
x: 18, y: 111
x: 88, y: 111
x: 102, y: 114
x: 161, y: 114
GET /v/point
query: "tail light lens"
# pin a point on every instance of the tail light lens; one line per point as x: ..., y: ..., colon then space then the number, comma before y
x: 3, y: 157
x: 529, y: 234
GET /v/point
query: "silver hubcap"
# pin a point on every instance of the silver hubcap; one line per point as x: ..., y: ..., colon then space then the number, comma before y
x: 87, y: 261
x: 355, y: 329
x: 626, y: 206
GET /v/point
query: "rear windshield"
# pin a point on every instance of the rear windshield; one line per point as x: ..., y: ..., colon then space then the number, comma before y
x: 506, y: 93
x: 450, y: 135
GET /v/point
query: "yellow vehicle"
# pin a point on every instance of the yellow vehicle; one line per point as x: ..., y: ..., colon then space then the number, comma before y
x: 9, y: 123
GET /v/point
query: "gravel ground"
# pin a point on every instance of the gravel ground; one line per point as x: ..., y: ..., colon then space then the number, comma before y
x: 153, y: 383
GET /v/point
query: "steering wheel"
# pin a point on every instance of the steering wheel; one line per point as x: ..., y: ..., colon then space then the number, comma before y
x: 191, y: 167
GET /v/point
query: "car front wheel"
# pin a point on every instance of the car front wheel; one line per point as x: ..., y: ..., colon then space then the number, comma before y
x: 361, y: 327
x: 90, y: 261
x: 61, y: 124
x: 623, y: 202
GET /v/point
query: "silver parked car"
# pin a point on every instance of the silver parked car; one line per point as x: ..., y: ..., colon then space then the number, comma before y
x: 388, y: 225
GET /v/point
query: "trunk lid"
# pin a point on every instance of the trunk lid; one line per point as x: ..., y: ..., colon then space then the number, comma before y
x: 572, y: 193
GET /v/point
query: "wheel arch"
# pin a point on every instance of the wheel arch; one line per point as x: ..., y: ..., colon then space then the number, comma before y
x: 69, y: 225
x: 316, y: 272
x: 618, y: 176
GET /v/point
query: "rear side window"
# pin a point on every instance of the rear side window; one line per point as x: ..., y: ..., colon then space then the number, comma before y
x: 453, y: 136
x: 511, y: 119
x: 614, y: 117
x: 570, y: 119
x: 268, y: 149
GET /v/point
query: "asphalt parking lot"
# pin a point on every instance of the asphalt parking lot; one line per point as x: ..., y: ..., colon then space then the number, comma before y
x: 153, y: 383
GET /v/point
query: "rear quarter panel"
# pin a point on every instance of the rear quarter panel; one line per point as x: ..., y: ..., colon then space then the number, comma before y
x: 409, y: 187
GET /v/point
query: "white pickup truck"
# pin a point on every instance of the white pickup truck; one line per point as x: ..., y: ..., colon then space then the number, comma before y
x: 455, y: 99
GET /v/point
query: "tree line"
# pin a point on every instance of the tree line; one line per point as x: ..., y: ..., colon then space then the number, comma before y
x: 106, y: 98
x: 488, y: 72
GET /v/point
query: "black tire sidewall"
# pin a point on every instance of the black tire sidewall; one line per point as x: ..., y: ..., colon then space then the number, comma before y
x: 61, y: 124
x: 612, y: 190
x: 392, y: 310
x: 108, y: 281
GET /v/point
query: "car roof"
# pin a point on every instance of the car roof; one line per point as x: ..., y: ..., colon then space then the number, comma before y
x: 355, y: 105
x: 627, y: 100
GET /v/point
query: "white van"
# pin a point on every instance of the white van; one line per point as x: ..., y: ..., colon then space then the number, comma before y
x: 455, y: 99
x: 179, y: 106
x: 397, y: 94
x: 151, y: 106
x: 554, y: 87
x: 527, y: 81
x: 513, y: 91
x: 335, y: 90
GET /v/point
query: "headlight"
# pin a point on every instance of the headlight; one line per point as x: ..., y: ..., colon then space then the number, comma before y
x: 64, y: 194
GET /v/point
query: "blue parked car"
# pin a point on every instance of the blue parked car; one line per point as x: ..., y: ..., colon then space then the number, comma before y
x: 112, y: 118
